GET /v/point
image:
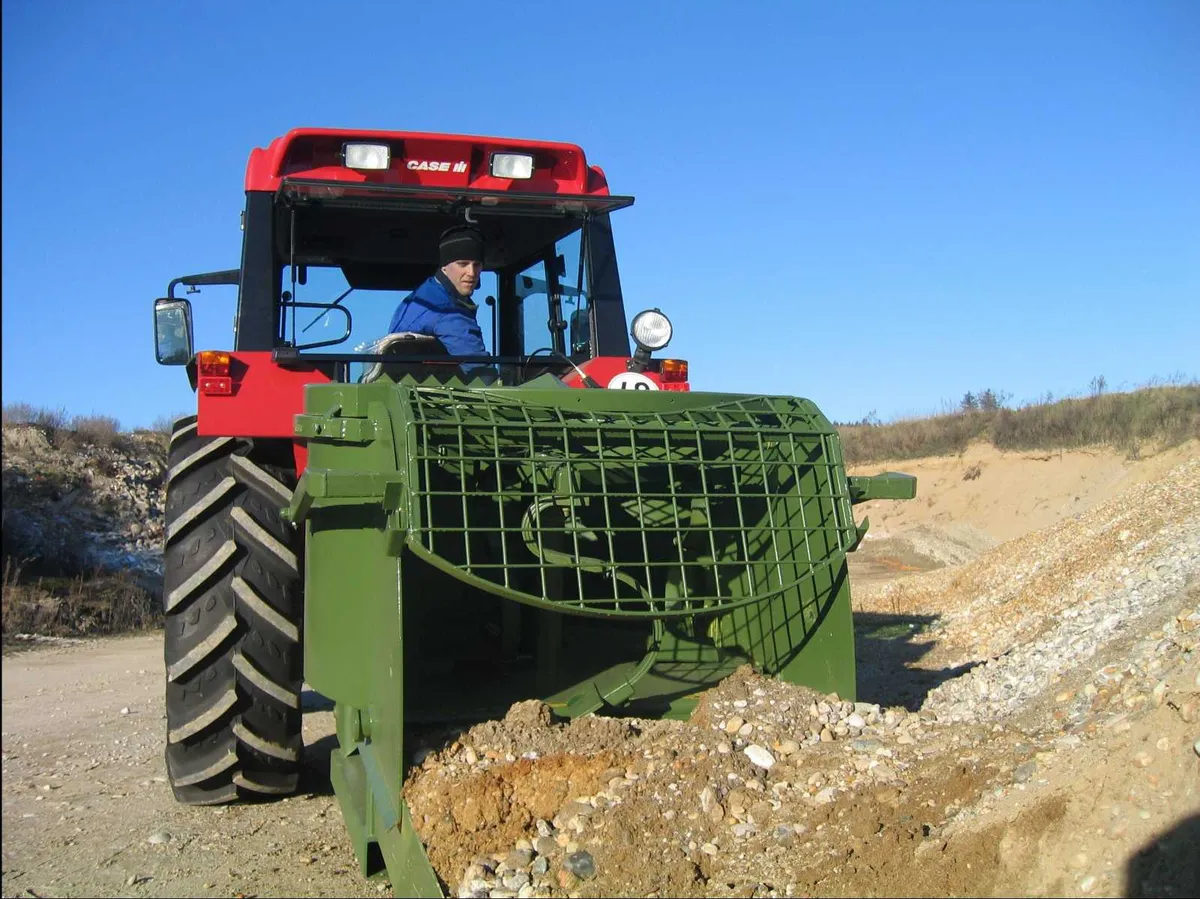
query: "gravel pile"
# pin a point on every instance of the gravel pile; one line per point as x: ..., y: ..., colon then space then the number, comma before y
x: 1018, y: 590
x: 1003, y: 686
x: 732, y: 793
x: 1101, y: 626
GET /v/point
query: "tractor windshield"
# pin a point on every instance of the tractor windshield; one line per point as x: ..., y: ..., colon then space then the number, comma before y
x: 362, y: 252
x: 537, y: 302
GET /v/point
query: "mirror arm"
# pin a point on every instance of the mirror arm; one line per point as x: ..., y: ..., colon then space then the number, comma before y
x: 228, y: 276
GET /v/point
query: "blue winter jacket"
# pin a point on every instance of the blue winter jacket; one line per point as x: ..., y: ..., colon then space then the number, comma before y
x: 436, y: 309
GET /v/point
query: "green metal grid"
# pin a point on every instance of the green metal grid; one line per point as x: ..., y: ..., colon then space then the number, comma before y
x: 625, y: 513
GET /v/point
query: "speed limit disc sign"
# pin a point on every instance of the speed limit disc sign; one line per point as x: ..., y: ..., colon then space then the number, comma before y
x: 631, y: 380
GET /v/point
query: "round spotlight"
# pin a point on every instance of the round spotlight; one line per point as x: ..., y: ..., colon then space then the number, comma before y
x: 651, y: 330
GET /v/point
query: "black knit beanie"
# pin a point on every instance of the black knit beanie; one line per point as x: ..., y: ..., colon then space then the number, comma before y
x: 460, y: 243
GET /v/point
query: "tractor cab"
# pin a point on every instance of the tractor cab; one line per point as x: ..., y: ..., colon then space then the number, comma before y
x: 340, y: 226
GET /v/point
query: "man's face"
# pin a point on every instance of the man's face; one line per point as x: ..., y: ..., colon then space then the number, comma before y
x: 464, y: 275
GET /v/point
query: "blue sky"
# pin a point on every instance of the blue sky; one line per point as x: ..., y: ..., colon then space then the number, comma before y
x: 879, y: 206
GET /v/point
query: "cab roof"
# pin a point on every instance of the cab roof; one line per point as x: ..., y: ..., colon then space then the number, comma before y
x: 420, y: 159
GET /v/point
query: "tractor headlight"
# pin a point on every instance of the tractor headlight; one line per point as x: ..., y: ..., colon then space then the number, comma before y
x: 651, y: 330
x: 373, y: 157
x: 512, y: 165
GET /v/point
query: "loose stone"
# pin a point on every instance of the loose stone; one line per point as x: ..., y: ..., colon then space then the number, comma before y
x: 518, y: 858
x: 581, y: 864
x: 515, y: 880
x: 759, y: 756
x: 1159, y: 693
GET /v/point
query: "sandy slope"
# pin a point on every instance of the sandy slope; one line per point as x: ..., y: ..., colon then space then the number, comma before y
x: 968, y: 504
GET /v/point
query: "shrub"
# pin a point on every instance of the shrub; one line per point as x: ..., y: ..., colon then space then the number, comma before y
x: 162, y: 424
x: 75, y: 606
x: 28, y: 414
x: 100, y: 430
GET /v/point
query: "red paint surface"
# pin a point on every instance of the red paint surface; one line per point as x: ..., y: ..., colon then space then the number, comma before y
x: 315, y: 153
x: 264, y: 399
x: 300, y: 453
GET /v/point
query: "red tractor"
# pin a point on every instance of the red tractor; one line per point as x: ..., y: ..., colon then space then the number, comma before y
x: 338, y: 226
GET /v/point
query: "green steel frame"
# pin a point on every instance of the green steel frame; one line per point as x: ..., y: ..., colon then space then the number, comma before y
x: 628, y: 549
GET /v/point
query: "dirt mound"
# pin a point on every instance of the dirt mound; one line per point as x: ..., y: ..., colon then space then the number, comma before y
x: 970, y: 503
x: 902, y: 805
x: 461, y: 818
x: 72, y: 507
x: 1008, y: 494
x: 1018, y: 589
x: 921, y: 547
x: 1074, y: 645
x: 82, y: 532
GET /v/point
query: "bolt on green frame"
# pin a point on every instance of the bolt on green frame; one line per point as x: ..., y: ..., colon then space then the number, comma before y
x: 597, y: 549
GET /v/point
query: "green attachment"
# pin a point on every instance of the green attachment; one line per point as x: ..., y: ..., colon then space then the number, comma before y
x: 654, y: 512
x: 602, y: 550
x: 351, y: 430
x: 380, y: 832
x: 889, y: 485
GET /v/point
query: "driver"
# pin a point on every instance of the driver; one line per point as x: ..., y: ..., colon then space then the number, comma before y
x: 441, y: 307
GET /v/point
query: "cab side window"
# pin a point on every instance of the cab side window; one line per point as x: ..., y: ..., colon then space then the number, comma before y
x: 549, y: 290
x: 533, y: 293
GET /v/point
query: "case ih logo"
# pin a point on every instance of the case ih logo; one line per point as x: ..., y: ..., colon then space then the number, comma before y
x: 429, y: 165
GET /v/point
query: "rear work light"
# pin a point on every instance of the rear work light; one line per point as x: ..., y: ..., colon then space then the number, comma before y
x: 512, y: 165
x: 373, y: 157
x: 212, y: 373
x: 673, y: 371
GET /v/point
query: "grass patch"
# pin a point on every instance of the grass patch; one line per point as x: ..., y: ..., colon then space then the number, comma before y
x: 1161, y: 417
x: 77, y: 606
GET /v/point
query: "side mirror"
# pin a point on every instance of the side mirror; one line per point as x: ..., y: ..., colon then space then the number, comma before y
x: 172, y: 331
x: 581, y: 332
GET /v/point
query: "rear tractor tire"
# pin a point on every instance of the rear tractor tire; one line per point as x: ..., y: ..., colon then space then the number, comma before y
x: 233, y: 600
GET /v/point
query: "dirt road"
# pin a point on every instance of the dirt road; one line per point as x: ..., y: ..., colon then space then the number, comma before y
x: 88, y: 812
